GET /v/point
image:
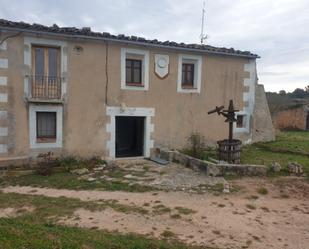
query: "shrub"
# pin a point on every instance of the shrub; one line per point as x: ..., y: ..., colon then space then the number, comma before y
x: 197, y: 144
x: 68, y: 163
x: 45, y: 164
x: 262, y: 191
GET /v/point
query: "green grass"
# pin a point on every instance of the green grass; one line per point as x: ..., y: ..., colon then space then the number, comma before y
x: 18, y: 233
x: 262, y: 191
x: 38, y: 229
x: 56, y: 207
x: 251, y: 206
x: 185, y: 211
x: 161, y: 209
x: 65, y: 180
x: 291, y: 146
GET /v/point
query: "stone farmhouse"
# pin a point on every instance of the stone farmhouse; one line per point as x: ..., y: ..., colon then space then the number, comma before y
x: 77, y: 92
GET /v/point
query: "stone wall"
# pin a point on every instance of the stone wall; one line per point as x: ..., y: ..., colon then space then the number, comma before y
x: 291, y: 119
x: 210, y: 168
x: 262, y: 127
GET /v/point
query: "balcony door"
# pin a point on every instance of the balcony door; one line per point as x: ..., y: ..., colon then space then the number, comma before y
x: 46, y: 80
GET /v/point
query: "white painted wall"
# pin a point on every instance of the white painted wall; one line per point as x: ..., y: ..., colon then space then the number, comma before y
x: 248, y: 97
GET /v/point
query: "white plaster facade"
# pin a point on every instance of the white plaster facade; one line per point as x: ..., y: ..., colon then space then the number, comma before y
x: 249, y: 99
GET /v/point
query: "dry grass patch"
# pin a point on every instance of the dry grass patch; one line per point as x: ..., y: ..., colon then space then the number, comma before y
x: 161, y: 209
x: 185, y: 211
x: 251, y: 206
x: 262, y: 191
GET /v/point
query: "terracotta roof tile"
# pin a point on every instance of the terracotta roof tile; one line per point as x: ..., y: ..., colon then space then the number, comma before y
x: 86, y: 31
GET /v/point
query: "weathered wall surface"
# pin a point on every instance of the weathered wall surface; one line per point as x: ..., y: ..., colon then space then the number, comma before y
x: 177, y: 115
x: 262, y: 129
x: 84, y: 112
x: 291, y: 119
x: 16, y: 117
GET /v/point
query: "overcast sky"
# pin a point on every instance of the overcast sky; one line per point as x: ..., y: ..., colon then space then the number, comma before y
x: 277, y: 30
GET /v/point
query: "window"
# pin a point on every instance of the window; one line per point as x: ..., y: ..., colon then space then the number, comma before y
x: 187, y: 78
x: 134, y: 69
x: 240, y: 121
x: 46, y: 81
x: 46, y: 61
x: 46, y: 126
x: 134, y: 72
x: 189, y: 73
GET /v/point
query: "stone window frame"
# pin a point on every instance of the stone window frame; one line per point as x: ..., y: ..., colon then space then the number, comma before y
x: 197, y: 61
x: 33, y: 109
x: 125, y: 53
x: 245, y: 127
x: 114, y: 111
x: 29, y: 42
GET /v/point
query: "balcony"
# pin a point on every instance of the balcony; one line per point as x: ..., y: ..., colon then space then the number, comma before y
x: 44, y: 88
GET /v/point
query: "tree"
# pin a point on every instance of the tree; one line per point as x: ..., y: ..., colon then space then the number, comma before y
x: 282, y: 92
x: 299, y: 93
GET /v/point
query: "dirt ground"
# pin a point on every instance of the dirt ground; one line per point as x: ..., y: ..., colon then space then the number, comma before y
x: 243, y: 219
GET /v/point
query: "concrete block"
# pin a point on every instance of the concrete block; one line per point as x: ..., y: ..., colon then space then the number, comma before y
x: 3, y: 97
x: 3, y: 46
x: 3, y: 81
x: 4, y: 63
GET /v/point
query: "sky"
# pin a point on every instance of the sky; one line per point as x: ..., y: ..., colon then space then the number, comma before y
x: 277, y: 30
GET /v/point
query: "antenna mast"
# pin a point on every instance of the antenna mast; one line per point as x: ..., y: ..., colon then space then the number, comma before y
x: 203, y: 36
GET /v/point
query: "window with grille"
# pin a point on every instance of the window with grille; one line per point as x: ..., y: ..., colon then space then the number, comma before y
x: 46, y: 80
x: 46, y: 125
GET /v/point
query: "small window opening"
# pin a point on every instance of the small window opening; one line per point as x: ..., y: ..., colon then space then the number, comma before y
x: 133, y: 72
x: 240, y: 121
x: 46, y: 126
x: 187, y: 78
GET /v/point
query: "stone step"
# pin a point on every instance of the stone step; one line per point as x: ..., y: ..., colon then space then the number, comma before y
x: 13, y: 162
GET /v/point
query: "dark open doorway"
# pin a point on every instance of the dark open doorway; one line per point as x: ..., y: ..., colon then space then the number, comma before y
x: 129, y: 136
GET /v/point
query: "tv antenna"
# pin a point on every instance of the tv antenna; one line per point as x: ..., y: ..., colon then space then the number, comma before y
x: 203, y: 36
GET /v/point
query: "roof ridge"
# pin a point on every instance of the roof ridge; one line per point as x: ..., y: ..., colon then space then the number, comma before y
x: 86, y: 31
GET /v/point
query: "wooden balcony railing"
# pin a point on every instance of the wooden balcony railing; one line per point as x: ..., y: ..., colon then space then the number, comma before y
x: 45, y: 87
